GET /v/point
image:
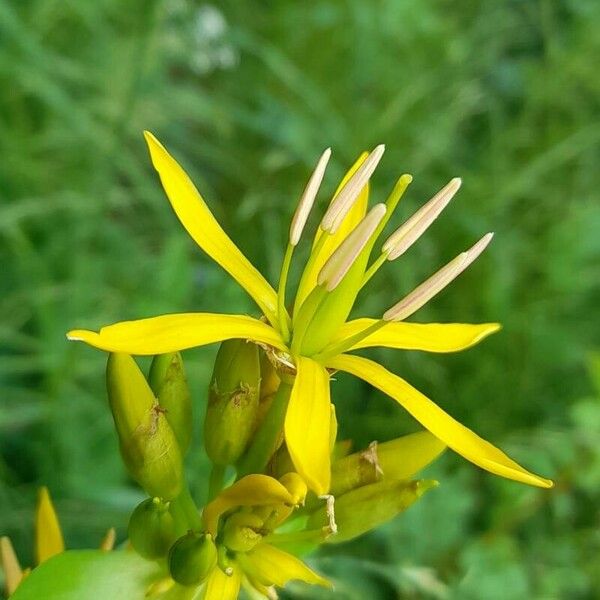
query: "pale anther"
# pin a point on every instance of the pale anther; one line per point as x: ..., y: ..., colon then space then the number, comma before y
x: 343, y: 258
x: 308, y: 198
x: 348, y: 195
x: 410, y: 231
x: 436, y: 283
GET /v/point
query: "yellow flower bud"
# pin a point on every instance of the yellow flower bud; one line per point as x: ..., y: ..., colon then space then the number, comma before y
x: 242, y: 531
x: 233, y: 401
x: 192, y: 558
x: 367, y: 507
x: 148, y: 445
x: 151, y: 528
x: 169, y: 384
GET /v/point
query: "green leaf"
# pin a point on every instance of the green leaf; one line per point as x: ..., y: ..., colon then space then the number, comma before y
x: 93, y: 574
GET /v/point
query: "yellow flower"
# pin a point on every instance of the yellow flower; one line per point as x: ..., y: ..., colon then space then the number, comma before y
x: 242, y: 518
x: 315, y: 338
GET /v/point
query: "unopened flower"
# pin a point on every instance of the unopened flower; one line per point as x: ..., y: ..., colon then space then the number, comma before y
x: 315, y: 339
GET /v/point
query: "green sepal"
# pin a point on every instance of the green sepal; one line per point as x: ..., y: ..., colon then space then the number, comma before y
x: 169, y: 384
x: 367, y: 507
x: 148, y: 445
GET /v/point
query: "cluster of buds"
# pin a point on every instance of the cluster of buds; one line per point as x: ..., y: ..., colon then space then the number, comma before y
x: 256, y: 523
x: 255, y: 526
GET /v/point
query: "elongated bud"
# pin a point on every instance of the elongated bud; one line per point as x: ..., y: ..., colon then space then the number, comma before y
x: 367, y: 507
x: 269, y: 384
x: 343, y: 258
x: 409, y: 232
x: 242, y: 531
x: 169, y: 384
x: 348, y: 195
x: 436, y: 283
x: 232, y: 401
x: 192, y: 557
x: 148, y: 445
x: 398, y: 459
x: 308, y: 198
x: 151, y: 529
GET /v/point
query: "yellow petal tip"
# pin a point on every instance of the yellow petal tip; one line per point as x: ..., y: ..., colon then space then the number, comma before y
x: 80, y: 335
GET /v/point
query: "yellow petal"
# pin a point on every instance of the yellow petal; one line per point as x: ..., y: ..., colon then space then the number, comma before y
x: 272, y: 566
x: 48, y: 536
x: 307, y: 424
x: 13, y: 574
x: 456, y: 436
x: 430, y: 337
x: 223, y: 587
x: 351, y: 220
x: 252, y: 490
x: 170, y: 333
x: 200, y: 223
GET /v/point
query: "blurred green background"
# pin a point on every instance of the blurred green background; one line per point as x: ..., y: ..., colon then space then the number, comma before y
x: 246, y: 95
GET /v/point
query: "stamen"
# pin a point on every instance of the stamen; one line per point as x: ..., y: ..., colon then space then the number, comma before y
x: 348, y: 195
x: 408, y: 233
x: 436, y: 283
x: 308, y: 198
x: 343, y: 258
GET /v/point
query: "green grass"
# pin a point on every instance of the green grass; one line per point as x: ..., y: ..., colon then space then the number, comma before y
x: 504, y: 94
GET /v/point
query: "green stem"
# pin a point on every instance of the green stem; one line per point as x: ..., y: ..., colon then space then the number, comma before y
x: 268, y: 435
x: 185, y: 511
x: 215, y: 484
x: 314, y: 254
x: 347, y: 344
x: 283, y: 316
x: 373, y: 269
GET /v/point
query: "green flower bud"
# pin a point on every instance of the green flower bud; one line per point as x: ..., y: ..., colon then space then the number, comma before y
x: 191, y: 558
x: 232, y: 401
x: 398, y: 459
x: 367, y: 507
x: 242, y: 531
x: 151, y: 528
x: 148, y: 445
x: 169, y: 384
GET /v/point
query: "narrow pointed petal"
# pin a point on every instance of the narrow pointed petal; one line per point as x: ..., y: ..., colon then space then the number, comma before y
x: 343, y: 258
x: 429, y: 337
x: 195, y: 216
x: 408, y: 233
x: 307, y: 424
x: 48, y: 535
x: 456, y: 436
x: 308, y: 198
x: 13, y: 574
x: 332, y: 241
x: 437, y: 282
x: 272, y: 566
x: 171, y: 333
x: 251, y: 490
x: 220, y: 586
